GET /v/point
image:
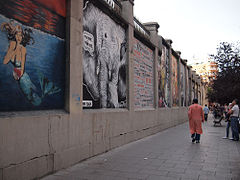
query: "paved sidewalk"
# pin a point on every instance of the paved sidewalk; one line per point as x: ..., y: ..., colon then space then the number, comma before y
x: 167, y: 155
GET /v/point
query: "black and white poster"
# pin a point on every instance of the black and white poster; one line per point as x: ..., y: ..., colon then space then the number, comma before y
x: 163, y: 79
x: 182, y: 84
x: 104, y: 60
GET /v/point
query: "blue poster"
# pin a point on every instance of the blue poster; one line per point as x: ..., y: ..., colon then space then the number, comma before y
x: 32, y: 56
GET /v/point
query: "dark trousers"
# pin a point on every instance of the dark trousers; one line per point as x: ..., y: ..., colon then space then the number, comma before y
x: 196, y: 136
x: 234, y: 126
x: 227, y: 129
x: 205, y: 117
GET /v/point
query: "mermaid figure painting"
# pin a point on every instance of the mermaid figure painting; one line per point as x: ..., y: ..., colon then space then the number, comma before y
x: 18, y: 39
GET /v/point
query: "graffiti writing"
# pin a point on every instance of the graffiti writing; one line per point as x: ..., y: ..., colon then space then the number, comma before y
x: 143, y: 75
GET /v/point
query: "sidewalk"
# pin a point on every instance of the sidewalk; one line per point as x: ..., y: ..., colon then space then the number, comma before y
x: 168, y: 155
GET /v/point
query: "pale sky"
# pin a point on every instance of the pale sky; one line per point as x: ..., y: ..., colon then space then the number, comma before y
x: 195, y: 26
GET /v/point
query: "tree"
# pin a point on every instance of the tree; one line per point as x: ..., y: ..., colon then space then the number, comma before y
x: 226, y: 87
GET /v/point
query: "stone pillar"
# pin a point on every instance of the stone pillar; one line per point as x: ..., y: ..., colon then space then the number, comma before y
x: 186, y: 85
x: 73, y: 97
x: 190, y: 84
x: 178, y: 73
x: 152, y: 27
x: 159, y: 56
x: 127, y: 14
x: 194, y: 84
x: 169, y: 41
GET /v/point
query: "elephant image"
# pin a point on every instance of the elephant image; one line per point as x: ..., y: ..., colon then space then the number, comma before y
x: 104, y: 58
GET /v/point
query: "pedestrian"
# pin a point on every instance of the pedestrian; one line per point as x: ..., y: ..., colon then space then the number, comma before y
x: 215, y: 112
x: 227, y: 117
x: 206, y: 112
x: 226, y: 108
x: 234, y: 115
x: 196, y: 117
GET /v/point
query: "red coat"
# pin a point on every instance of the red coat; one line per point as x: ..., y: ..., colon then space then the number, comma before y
x: 196, y: 117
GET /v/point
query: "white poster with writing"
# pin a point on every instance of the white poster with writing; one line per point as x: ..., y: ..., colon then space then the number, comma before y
x: 143, y: 76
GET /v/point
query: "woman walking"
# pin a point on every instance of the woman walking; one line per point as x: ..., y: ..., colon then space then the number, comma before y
x: 196, y: 118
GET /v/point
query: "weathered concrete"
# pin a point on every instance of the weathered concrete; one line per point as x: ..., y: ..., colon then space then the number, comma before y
x: 47, y: 143
x: 167, y: 155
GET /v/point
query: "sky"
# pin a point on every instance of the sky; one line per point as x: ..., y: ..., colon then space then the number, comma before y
x: 196, y: 27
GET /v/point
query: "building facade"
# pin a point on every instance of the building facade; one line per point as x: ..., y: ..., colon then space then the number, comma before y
x: 208, y: 71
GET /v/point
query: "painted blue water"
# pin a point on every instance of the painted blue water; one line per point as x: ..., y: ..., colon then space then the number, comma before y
x: 47, y: 56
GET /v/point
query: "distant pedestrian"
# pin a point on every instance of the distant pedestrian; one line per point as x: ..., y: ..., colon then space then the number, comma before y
x: 234, y: 114
x: 196, y: 117
x: 226, y: 108
x: 227, y: 117
x: 206, y: 112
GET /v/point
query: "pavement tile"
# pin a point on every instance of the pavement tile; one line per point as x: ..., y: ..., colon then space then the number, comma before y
x: 195, y: 167
x: 207, y: 173
x: 126, y: 168
x: 154, y: 177
x: 175, y: 175
x: 155, y: 172
x: 133, y: 175
x: 212, y: 169
x: 223, y: 170
x: 104, y: 178
x: 224, y: 174
x: 149, y: 167
x: 185, y: 166
x: 192, y: 172
x: 53, y: 178
x: 157, y: 162
x: 189, y: 176
x: 169, y: 165
x: 204, y: 177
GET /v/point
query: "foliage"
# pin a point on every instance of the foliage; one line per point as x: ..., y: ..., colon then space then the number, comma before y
x: 210, y: 95
x: 226, y: 87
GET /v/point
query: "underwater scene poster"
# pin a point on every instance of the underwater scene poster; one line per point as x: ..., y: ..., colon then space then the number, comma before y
x: 32, y: 54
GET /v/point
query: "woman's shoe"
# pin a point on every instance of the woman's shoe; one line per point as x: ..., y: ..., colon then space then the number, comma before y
x: 197, y: 141
x: 193, y: 140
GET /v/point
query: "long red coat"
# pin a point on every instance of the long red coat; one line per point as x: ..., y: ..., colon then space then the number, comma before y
x: 196, y: 117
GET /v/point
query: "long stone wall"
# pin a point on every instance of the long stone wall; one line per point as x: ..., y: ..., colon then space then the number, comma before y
x: 117, y: 86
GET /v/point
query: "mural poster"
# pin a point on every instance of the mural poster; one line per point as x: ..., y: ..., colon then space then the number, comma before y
x: 143, y: 75
x: 188, y: 94
x: 163, y: 79
x: 175, y: 98
x: 199, y: 97
x: 32, y: 54
x: 104, y: 60
x: 183, y: 84
x: 189, y: 89
x: 193, y: 91
x: 196, y: 90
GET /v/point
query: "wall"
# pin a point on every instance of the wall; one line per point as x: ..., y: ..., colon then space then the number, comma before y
x: 36, y: 143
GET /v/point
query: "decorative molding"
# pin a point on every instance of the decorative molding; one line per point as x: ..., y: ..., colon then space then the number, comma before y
x: 114, y: 5
x: 139, y: 27
x: 111, y: 3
